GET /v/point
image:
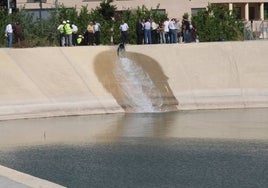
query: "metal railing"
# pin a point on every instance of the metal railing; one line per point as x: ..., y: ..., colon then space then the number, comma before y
x: 256, y: 30
x: 264, y: 30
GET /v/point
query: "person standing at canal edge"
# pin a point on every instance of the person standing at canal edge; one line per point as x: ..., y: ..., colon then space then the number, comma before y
x: 18, y: 34
x: 62, y: 33
x: 97, y: 27
x: 74, y: 34
x: 139, y: 32
x: 124, y: 31
x: 9, y: 35
x: 90, y: 31
x: 147, y: 32
x: 186, y: 30
x: 68, y: 33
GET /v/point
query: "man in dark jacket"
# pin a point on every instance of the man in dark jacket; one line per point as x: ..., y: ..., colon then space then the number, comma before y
x: 18, y: 33
x: 139, y: 32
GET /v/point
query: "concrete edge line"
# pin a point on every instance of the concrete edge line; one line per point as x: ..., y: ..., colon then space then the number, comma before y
x: 27, y: 179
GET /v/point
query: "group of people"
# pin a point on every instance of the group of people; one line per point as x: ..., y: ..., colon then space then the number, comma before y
x: 147, y: 32
x: 69, y: 34
x: 167, y: 31
x: 15, y: 30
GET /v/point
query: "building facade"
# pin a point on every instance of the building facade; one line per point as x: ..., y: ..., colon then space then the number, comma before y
x: 248, y: 10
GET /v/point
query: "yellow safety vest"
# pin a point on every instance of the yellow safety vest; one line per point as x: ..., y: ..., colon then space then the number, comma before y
x: 68, y: 29
x: 79, y: 40
x: 61, y: 28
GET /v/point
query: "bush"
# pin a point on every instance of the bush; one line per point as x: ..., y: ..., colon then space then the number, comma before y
x: 218, y: 23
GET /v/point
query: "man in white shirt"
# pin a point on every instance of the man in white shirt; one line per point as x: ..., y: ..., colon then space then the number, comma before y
x: 97, y: 27
x: 124, y: 34
x: 166, y: 29
x: 155, y: 27
x: 75, y: 34
x: 8, y: 34
x: 172, y: 31
x: 147, y: 32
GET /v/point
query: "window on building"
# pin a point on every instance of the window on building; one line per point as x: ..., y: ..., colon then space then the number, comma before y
x: 160, y: 11
x: 266, y: 11
x: 36, y: 1
x: 12, y: 4
x: 91, y: 0
x: 252, y: 13
x: 238, y: 12
x: 3, y: 3
x: 194, y: 11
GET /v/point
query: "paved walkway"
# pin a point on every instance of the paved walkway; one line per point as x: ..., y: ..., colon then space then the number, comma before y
x: 8, y: 183
x: 10, y: 178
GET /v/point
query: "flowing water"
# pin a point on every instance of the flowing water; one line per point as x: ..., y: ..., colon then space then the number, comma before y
x: 137, y: 86
x: 207, y: 148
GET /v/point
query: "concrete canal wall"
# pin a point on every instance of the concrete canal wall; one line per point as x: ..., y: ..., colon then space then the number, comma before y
x: 54, y: 81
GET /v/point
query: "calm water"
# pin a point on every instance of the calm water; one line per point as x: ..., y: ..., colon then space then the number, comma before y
x: 214, y: 148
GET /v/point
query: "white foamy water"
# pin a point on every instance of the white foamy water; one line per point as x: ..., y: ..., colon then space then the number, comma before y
x: 138, y: 89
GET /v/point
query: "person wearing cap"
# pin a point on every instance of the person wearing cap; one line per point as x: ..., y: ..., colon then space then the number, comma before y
x: 62, y: 33
x: 68, y: 33
x: 79, y: 39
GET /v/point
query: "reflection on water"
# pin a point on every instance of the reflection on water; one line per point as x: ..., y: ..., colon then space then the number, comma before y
x: 217, y: 148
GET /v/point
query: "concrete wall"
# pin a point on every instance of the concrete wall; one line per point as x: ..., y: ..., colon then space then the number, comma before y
x: 54, y: 81
x: 215, y: 75
x: 51, y: 81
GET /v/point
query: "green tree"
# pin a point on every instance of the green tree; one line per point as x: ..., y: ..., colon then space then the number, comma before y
x: 216, y: 23
x: 106, y: 9
x: 104, y: 14
x: 4, y: 18
x: 83, y: 19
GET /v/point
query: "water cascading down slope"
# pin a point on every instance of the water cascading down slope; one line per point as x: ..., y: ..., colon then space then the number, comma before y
x: 136, y: 81
x: 140, y: 93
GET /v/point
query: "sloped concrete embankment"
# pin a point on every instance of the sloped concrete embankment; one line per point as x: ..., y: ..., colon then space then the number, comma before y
x: 215, y: 75
x: 43, y: 82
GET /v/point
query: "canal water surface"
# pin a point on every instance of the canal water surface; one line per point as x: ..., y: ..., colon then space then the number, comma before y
x: 206, y: 148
